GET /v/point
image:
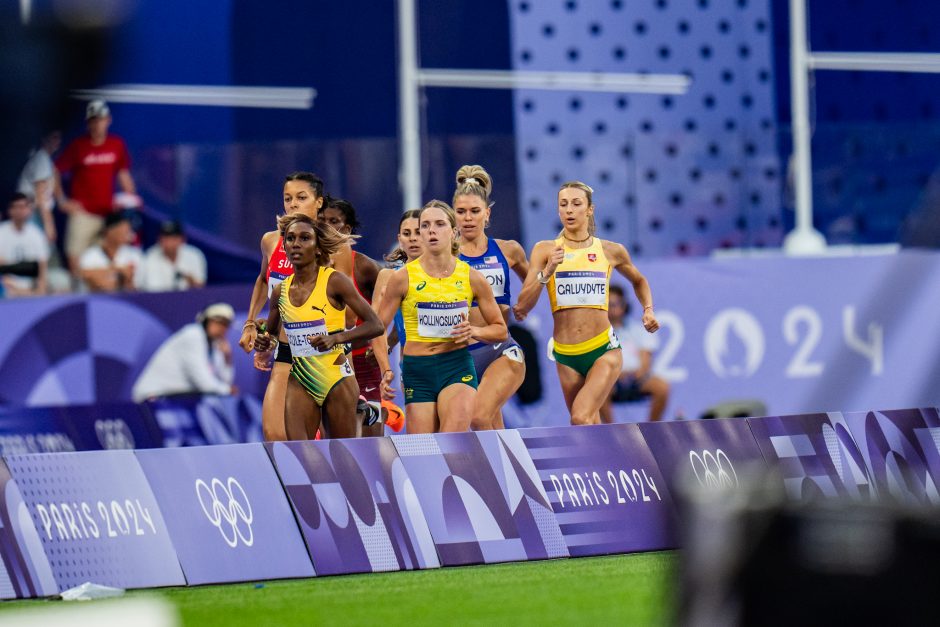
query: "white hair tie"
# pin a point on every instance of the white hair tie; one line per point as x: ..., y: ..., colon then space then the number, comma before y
x: 471, y: 180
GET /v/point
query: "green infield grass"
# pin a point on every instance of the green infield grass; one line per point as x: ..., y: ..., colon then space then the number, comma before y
x: 618, y: 589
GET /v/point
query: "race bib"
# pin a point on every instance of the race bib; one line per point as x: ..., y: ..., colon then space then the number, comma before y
x: 493, y: 271
x: 297, y: 334
x: 437, y: 320
x: 275, y: 279
x: 581, y: 288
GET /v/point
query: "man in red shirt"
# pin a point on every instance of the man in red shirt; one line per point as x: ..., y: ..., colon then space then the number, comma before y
x: 93, y: 160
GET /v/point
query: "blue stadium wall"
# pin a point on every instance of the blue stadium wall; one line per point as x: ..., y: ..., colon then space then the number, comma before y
x: 682, y: 176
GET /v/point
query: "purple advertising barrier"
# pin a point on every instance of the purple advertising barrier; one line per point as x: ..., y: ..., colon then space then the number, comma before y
x: 901, y: 449
x: 355, y: 504
x: 815, y: 454
x: 482, y: 497
x: 605, y: 488
x: 25, y: 570
x: 197, y: 420
x: 77, y: 428
x: 708, y: 453
x: 72, y: 350
x: 97, y: 519
x: 227, y: 513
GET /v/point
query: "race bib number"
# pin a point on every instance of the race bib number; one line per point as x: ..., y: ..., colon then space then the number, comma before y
x: 437, y: 320
x: 298, y: 334
x: 346, y: 370
x: 493, y: 271
x: 581, y: 288
x: 275, y: 279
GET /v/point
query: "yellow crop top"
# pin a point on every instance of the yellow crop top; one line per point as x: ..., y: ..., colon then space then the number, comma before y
x: 432, y: 306
x: 582, y: 278
x: 317, y: 316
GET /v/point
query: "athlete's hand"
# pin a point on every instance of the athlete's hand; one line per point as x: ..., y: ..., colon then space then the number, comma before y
x: 249, y: 333
x: 264, y: 360
x: 554, y: 260
x: 322, y: 342
x: 462, y: 331
x: 649, y: 321
x: 519, y: 313
x: 263, y: 342
x: 385, y: 386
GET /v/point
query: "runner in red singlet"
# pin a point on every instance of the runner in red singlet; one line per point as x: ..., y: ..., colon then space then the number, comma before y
x: 341, y: 215
x: 303, y: 192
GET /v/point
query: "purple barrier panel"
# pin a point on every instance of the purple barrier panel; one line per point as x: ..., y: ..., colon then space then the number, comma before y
x: 482, y: 497
x: 709, y: 452
x: 197, y: 420
x: 227, y: 513
x: 24, y: 570
x: 815, y: 455
x: 36, y: 430
x: 605, y: 487
x: 97, y: 518
x: 901, y: 449
x: 112, y: 426
x: 355, y: 504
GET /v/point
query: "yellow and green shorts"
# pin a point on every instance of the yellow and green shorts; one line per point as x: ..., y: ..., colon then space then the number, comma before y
x: 581, y: 356
x: 424, y: 376
x: 319, y: 374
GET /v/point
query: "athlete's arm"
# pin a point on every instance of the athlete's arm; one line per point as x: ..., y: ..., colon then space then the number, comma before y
x: 620, y: 259
x: 393, y: 292
x: 495, y: 329
x: 380, y: 342
x: 250, y: 331
x: 265, y: 342
x: 515, y: 255
x: 341, y: 292
x: 544, y: 258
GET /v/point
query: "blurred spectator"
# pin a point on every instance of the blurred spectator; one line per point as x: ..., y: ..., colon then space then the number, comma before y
x: 172, y: 264
x: 21, y: 240
x: 93, y: 160
x: 112, y: 265
x: 197, y: 359
x: 636, y: 380
x: 37, y: 180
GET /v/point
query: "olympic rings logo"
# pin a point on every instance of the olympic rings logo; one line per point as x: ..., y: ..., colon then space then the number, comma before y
x: 713, y: 470
x: 228, y: 509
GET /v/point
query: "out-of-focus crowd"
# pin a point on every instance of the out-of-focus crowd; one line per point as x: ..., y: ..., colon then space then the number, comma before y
x: 89, y: 182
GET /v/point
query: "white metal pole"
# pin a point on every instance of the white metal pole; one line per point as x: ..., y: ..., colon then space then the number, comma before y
x: 408, y: 107
x: 803, y: 239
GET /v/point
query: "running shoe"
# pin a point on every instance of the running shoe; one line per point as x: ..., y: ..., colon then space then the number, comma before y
x: 371, y: 413
x: 395, y: 419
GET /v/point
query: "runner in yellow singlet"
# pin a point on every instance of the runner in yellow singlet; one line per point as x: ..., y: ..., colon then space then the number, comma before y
x: 303, y: 193
x: 576, y: 270
x: 434, y: 293
x: 311, y: 307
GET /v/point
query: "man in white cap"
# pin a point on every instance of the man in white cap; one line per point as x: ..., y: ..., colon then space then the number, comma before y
x: 93, y: 160
x: 197, y: 359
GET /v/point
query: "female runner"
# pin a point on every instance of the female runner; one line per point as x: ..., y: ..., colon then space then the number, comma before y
x: 409, y: 249
x: 501, y: 366
x: 434, y: 293
x: 310, y: 305
x: 303, y: 192
x: 576, y: 269
x: 341, y: 215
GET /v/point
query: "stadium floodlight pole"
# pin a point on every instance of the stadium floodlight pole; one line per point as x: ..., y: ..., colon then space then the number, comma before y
x: 409, y: 112
x: 803, y: 239
x: 204, y: 95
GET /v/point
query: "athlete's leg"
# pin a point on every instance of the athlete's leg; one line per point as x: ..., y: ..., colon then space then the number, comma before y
x: 658, y: 389
x: 597, y: 385
x: 422, y: 417
x: 607, y: 410
x: 340, y: 409
x: 300, y: 410
x: 455, y: 405
x: 272, y: 407
x: 500, y: 381
x: 571, y: 382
